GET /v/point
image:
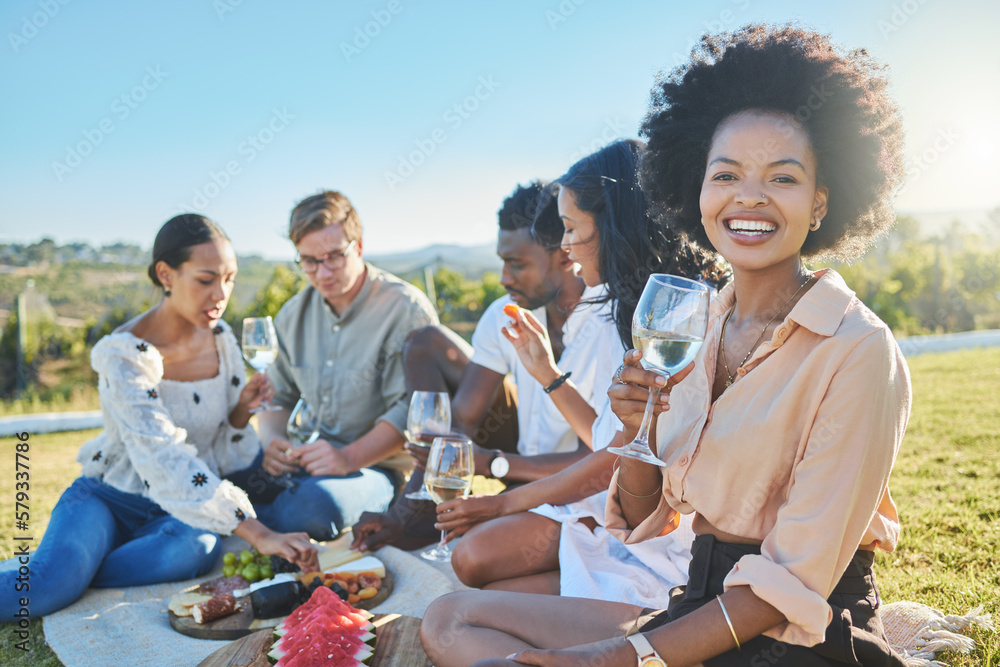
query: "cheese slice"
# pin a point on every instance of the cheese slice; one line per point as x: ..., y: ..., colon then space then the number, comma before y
x: 363, y: 564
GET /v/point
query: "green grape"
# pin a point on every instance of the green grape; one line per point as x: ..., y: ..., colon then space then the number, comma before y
x: 251, y: 572
x: 246, y: 557
x: 229, y: 558
x: 263, y: 560
x: 266, y: 572
x: 228, y: 570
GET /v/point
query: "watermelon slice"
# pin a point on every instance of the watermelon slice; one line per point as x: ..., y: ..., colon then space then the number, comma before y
x: 323, y: 631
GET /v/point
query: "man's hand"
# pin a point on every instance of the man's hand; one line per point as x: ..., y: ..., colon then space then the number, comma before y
x: 276, y: 459
x: 419, y: 455
x: 374, y: 530
x: 321, y: 459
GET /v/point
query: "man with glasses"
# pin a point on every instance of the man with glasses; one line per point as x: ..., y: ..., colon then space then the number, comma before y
x: 340, y: 348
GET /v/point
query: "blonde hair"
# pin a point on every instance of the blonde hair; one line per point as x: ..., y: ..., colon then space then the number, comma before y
x: 323, y: 210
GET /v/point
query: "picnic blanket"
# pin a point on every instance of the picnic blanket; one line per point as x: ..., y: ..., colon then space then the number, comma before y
x: 129, y: 626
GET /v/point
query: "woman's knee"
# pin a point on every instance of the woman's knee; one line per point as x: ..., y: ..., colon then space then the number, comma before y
x: 443, y: 623
x: 471, y: 558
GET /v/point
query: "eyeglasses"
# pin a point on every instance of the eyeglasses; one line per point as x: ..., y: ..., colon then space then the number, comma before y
x: 332, y: 260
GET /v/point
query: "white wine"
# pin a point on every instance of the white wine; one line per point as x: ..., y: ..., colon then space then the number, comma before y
x: 665, y: 352
x: 447, y: 488
x: 299, y: 438
x: 259, y: 359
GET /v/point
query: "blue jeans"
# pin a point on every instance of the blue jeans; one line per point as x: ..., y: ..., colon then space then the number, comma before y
x: 102, y: 537
x: 319, y: 506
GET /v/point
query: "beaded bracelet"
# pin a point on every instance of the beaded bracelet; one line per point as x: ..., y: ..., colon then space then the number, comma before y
x: 558, y: 382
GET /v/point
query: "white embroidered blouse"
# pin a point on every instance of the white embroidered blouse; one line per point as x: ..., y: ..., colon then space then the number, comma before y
x: 171, y: 441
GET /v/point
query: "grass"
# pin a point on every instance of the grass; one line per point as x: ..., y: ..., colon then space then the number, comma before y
x: 946, y: 484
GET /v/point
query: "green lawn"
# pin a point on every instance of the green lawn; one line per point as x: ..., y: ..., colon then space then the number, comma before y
x: 946, y: 484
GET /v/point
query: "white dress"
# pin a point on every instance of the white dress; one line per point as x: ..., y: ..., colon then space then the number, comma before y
x: 598, y: 566
x: 172, y: 441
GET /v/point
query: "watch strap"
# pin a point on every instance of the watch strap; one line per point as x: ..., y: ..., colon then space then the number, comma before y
x: 648, y: 657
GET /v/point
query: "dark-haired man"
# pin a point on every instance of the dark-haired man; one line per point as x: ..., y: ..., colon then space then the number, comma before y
x: 519, y: 432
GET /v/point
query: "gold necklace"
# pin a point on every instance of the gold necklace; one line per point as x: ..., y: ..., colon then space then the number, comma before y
x: 722, y: 343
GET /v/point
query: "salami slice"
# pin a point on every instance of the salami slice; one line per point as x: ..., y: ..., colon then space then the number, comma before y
x: 217, y: 607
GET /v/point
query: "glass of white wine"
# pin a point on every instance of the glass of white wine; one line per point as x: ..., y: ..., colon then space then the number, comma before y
x: 448, y: 476
x: 668, y: 327
x: 429, y: 417
x: 303, y: 427
x: 260, y: 347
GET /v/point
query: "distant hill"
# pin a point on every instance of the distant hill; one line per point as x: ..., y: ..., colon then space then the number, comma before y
x: 471, y: 261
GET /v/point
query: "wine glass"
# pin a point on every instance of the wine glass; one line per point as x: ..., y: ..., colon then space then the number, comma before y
x: 260, y: 347
x: 668, y: 327
x: 428, y: 418
x: 303, y: 427
x: 448, y: 475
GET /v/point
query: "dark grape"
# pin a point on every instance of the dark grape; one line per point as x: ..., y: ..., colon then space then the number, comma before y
x: 339, y: 590
x: 279, y: 564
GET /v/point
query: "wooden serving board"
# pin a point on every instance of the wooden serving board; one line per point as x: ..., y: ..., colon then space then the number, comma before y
x: 242, y: 623
x: 397, y: 644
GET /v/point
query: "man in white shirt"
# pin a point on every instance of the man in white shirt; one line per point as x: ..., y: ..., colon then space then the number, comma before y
x: 532, y: 439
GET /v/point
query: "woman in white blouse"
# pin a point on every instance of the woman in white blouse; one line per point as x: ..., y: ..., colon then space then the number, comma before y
x: 152, y: 501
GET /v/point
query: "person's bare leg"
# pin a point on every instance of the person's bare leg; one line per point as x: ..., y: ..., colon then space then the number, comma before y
x: 461, y: 628
x: 546, y: 583
x: 434, y: 358
x: 508, y: 547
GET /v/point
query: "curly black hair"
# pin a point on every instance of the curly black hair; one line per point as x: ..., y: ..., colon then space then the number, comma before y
x: 533, y: 207
x: 838, y: 97
x: 631, y: 244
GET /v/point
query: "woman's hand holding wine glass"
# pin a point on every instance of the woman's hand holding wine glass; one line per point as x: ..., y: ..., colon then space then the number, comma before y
x: 668, y: 328
x: 260, y: 347
x: 448, y: 476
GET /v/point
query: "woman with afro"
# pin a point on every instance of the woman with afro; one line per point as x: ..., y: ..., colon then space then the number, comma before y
x: 771, y: 146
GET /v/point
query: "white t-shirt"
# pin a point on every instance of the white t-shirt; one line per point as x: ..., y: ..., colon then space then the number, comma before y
x: 593, y: 351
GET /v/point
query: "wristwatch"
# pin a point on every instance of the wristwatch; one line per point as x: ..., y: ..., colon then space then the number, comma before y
x: 499, y: 465
x: 648, y: 657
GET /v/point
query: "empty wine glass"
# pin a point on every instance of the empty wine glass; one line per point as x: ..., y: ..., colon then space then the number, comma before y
x: 668, y: 327
x: 448, y: 475
x: 260, y: 347
x: 428, y: 418
x: 303, y: 427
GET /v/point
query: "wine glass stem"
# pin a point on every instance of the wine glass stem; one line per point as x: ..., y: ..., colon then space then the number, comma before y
x: 642, y: 437
x: 442, y: 543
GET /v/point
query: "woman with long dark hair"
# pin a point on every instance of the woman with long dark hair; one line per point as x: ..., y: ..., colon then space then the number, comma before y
x: 609, y: 233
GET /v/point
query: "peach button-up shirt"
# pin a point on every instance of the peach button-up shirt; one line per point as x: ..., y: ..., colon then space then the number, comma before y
x: 796, y: 453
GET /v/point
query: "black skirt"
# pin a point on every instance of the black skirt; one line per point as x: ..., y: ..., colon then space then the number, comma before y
x: 854, y: 637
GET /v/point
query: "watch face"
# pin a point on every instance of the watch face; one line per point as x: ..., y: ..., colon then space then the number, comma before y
x: 500, y: 466
x: 652, y: 662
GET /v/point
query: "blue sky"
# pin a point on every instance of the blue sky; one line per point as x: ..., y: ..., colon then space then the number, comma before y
x: 119, y: 114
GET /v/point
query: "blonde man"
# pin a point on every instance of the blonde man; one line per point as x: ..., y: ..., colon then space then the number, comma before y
x: 341, y: 342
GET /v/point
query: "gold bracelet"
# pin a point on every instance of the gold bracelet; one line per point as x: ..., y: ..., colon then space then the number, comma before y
x: 626, y: 491
x: 729, y: 622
